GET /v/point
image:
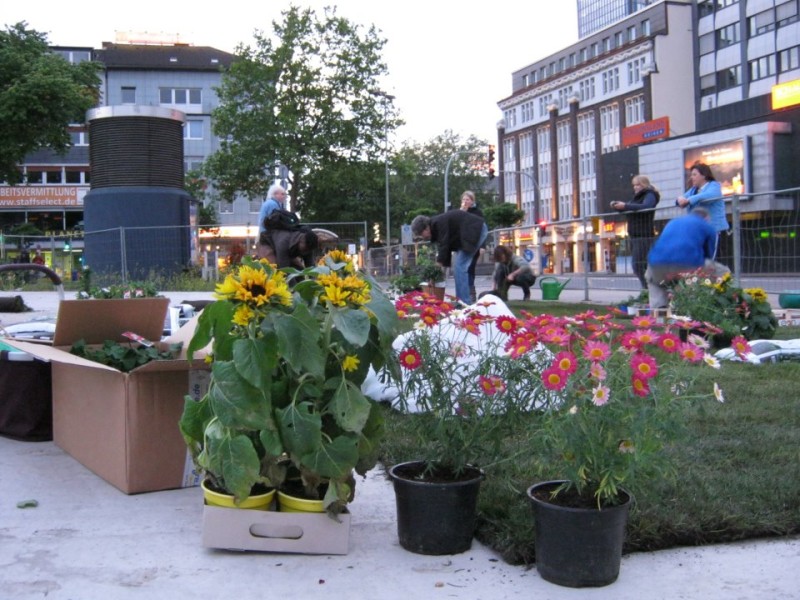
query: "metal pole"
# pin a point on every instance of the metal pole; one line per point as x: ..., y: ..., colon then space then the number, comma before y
x: 386, y: 168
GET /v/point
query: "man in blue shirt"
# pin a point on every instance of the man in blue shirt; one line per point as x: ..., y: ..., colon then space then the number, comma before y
x: 686, y: 243
x: 276, y: 198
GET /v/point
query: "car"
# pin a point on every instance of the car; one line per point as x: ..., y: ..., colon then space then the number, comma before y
x: 764, y: 351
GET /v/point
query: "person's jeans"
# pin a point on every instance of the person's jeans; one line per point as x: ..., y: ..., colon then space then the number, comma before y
x: 640, y: 246
x: 461, y: 268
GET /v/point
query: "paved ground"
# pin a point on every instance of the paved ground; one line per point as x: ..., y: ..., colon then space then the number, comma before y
x: 86, y: 540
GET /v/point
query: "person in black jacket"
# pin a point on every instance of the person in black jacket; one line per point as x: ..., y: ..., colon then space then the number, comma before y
x: 469, y: 204
x: 454, y: 231
x: 641, y: 211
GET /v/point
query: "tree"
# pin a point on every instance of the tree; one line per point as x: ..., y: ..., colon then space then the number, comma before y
x: 502, y: 215
x: 418, y: 169
x: 306, y: 98
x: 40, y: 95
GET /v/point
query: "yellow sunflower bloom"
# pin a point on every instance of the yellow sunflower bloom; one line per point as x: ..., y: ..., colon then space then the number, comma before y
x: 350, y: 363
x: 243, y: 315
x: 336, y: 295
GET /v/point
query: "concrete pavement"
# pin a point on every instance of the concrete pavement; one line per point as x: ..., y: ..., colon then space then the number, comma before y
x: 86, y: 540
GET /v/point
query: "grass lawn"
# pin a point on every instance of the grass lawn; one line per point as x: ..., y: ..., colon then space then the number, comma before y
x: 737, y: 469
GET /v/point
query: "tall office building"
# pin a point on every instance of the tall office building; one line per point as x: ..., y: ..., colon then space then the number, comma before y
x: 594, y: 15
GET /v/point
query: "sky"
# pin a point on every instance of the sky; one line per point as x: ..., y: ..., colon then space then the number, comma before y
x: 449, y: 61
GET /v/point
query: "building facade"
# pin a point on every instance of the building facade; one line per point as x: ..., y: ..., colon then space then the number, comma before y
x: 174, y: 76
x: 671, y: 83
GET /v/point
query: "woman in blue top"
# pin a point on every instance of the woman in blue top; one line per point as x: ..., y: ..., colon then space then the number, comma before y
x: 706, y: 192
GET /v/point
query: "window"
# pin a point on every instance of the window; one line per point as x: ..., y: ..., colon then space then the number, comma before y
x: 635, y: 68
x: 634, y: 110
x: 34, y: 175
x: 632, y: 33
x: 609, y: 128
x: 193, y: 129
x: 708, y: 84
x: 646, y: 27
x: 706, y: 43
x: 761, y: 23
x: 525, y: 82
x: 611, y: 80
x: 728, y: 36
x: 762, y: 67
x: 74, y: 56
x: 789, y: 59
x: 76, y: 175
x: 128, y: 95
x: 586, y: 89
x: 705, y: 8
x: 180, y: 96
x: 606, y: 44
x: 79, y: 138
x: 786, y: 13
x: 619, y: 39
x: 53, y: 176
x: 192, y: 163
x: 724, y: 3
x: 729, y: 78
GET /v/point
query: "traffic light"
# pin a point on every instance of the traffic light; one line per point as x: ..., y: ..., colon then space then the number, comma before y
x: 542, y: 227
x: 491, y: 161
x: 66, y: 246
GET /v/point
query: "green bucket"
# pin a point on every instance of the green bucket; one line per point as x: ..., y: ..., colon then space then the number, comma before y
x: 551, y: 288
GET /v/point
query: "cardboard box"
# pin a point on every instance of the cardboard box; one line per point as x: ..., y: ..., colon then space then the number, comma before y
x: 122, y: 426
x: 271, y: 531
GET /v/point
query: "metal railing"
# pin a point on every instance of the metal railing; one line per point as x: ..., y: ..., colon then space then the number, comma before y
x: 761, y: 248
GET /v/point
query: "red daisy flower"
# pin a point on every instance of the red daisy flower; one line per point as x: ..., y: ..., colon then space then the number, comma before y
x: 410, y: 359
x: 554, y: 379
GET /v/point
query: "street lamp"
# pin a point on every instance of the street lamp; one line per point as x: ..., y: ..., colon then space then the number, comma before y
x: 386, y: 99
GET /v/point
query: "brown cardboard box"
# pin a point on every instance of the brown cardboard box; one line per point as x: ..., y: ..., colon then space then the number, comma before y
x: 122, y: 426
x: 271, y: 531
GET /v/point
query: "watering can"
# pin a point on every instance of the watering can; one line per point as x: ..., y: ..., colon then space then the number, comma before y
x: 551, y: 288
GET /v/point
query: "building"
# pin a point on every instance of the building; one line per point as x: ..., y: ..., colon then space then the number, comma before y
x: 670, y: 83
x: 172, y: 76
x: 594, y: 15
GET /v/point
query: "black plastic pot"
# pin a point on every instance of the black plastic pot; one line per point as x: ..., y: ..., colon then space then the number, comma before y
x: 435, y: 517
x: 577, y: 547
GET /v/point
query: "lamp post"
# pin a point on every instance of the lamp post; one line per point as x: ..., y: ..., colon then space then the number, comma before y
x: 386, y: 99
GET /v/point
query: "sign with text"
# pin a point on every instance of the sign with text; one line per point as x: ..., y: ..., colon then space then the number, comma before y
x: 42, y: 196
x: 728, y: 162
x: 786, y: 94
x: 645, y: 132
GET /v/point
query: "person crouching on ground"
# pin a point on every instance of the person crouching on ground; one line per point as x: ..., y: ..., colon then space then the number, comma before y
x: 685, y: 244
x: 510, y: 269
x: 454, y: 231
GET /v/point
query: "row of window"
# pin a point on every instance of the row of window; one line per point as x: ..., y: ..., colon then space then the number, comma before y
x: 760, y: 68
x: 57, y: 175
x: 169, y: 96
x: 768, y: 20
x: 610, y: 81
x: 606, y: 45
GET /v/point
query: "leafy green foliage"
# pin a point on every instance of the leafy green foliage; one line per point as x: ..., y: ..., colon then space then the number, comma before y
x: 303, y: 97
x: 739, y: 473
x: 40, y: 94
x: 287, y: 366
x: 726, y: 306
x: 502, y: 215
x: 123, y: 357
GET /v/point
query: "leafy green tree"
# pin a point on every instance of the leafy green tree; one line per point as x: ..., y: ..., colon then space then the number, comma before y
x: 502, y: 215
x: 418, y: 174
x: 40, y: 95
x: 305, y: 98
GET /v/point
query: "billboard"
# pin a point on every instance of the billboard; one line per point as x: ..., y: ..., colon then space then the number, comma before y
x: 645, y: 132
x: 728, y: 161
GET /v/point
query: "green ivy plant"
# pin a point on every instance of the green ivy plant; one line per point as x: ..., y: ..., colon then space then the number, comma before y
x: 124, y: 357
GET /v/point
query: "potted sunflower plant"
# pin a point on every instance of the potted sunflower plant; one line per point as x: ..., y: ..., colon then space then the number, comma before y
x: 288, y: 351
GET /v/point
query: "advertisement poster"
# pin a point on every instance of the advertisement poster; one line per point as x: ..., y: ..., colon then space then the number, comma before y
x: 728, y: 162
